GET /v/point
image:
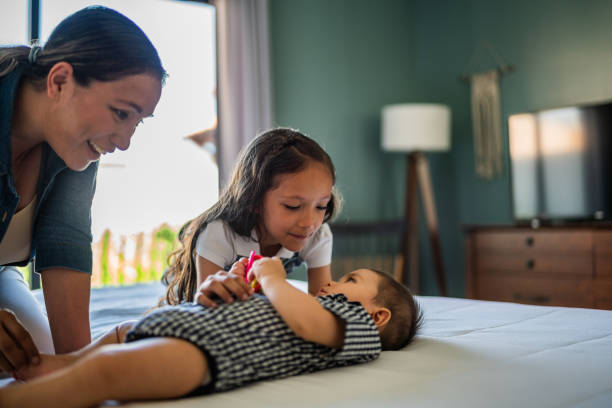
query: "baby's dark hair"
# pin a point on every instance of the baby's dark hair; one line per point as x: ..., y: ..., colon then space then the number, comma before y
x: 406, y: 315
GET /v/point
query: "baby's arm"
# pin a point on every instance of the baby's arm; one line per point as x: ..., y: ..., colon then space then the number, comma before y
x: 303, y: 313
x: 152, y: 368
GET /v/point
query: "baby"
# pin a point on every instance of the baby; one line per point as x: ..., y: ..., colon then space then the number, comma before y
x: 190, y: 348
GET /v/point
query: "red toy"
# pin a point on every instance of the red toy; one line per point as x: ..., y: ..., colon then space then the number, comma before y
x: 254, y: 284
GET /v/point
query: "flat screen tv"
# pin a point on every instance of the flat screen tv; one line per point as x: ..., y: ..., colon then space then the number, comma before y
x: 561, y: 164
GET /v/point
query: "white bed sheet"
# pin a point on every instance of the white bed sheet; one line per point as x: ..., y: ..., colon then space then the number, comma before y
x: 469, y: 354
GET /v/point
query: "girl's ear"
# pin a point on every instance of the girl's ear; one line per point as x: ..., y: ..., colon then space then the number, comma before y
x: 381, y: 316
x: 60, y: 79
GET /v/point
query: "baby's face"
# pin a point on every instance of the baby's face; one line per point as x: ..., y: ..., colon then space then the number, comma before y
x: 358, y: 286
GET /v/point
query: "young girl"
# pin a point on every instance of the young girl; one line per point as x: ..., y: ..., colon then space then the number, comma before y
x: 279, y: 198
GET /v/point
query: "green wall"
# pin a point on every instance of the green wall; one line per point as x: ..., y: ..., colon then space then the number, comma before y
x: 332, y: 75
x: 337, y: 62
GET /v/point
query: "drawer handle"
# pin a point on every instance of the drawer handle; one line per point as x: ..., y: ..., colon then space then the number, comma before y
x: 529, y: 241
x: 530, y: 264
x: 533, y: 299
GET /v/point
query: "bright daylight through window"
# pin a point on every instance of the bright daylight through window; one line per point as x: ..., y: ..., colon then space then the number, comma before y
x: 146, y: 193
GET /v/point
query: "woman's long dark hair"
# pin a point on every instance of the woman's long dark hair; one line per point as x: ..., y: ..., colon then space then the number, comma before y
x: 101, y: 44
x: 273, y: 153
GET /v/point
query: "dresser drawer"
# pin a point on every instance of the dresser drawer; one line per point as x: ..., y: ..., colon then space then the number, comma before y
x: 534, y: 242
x: 603, y: 253
x: 560, y: 266
x: 566, y: 292
x: 536, y: 265
x: 535, y: 253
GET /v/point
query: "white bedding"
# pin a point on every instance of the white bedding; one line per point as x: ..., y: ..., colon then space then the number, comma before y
x: 469, y: 354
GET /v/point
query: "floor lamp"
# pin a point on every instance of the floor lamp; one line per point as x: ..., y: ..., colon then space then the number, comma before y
x: 415, y: 129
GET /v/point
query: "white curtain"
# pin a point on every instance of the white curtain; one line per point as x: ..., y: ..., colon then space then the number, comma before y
x: 245, y: 94
x: 486, y: 120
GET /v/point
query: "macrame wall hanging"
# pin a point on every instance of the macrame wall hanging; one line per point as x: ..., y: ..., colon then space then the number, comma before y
x: 486, y: 114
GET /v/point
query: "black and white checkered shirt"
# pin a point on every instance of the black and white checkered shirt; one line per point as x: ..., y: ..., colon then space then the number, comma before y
x: 248, y: 341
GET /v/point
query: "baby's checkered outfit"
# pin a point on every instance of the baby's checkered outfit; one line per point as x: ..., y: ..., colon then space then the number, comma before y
x: 248, y: 341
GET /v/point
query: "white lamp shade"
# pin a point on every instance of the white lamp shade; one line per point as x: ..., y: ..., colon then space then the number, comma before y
x: 415, y: 127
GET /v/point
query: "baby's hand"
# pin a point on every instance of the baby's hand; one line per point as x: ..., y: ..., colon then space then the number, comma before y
x: 267, y: 270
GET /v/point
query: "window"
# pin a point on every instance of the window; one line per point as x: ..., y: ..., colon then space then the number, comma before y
x: 14, y: 22
x: 146, y: 193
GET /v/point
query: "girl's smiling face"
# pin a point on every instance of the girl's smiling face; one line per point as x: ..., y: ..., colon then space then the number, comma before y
x: 294, y: 209
x: 89, y: 121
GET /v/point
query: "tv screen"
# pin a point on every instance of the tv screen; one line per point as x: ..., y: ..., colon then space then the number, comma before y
x: 561, y: 163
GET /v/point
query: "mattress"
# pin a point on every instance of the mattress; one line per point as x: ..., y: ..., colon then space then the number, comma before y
x: 469, y: 354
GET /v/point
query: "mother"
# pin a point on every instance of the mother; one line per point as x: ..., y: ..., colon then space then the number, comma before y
x: 61, y: 108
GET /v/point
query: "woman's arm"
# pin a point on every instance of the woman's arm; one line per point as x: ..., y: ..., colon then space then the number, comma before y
x: 67, y: 301
x: 64, y: 219
x: 317, y: 278
x: 303, y: 313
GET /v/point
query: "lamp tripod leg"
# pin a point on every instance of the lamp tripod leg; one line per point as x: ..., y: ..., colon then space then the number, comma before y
x: 424, y: 176
x: 410, y: 241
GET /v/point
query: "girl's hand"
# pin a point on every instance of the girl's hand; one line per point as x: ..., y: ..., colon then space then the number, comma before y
x: 225, y: 285
x: 267, y: 270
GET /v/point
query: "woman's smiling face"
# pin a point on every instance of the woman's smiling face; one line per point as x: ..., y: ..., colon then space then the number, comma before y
x: 88, y: 121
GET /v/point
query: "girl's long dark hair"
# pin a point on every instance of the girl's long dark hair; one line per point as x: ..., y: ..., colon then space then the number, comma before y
x: 273, y: 153
x: 101, y: 44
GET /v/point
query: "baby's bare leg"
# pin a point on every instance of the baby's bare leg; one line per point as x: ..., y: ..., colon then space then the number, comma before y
x: 113, y: 336
x: 51, y: 363
x: 155, y: 368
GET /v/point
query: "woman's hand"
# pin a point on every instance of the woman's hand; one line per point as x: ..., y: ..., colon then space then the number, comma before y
x: 225, y: 285
x: 266, y: 270
x: 17, y: 349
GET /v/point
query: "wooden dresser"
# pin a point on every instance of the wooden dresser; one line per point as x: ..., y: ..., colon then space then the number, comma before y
x: 560, y: 266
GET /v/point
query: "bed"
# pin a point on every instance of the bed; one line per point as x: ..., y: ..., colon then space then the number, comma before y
x: 469, y: 354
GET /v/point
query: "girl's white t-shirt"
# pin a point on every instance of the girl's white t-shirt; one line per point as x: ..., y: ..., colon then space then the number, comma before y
x: 222, y: 246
